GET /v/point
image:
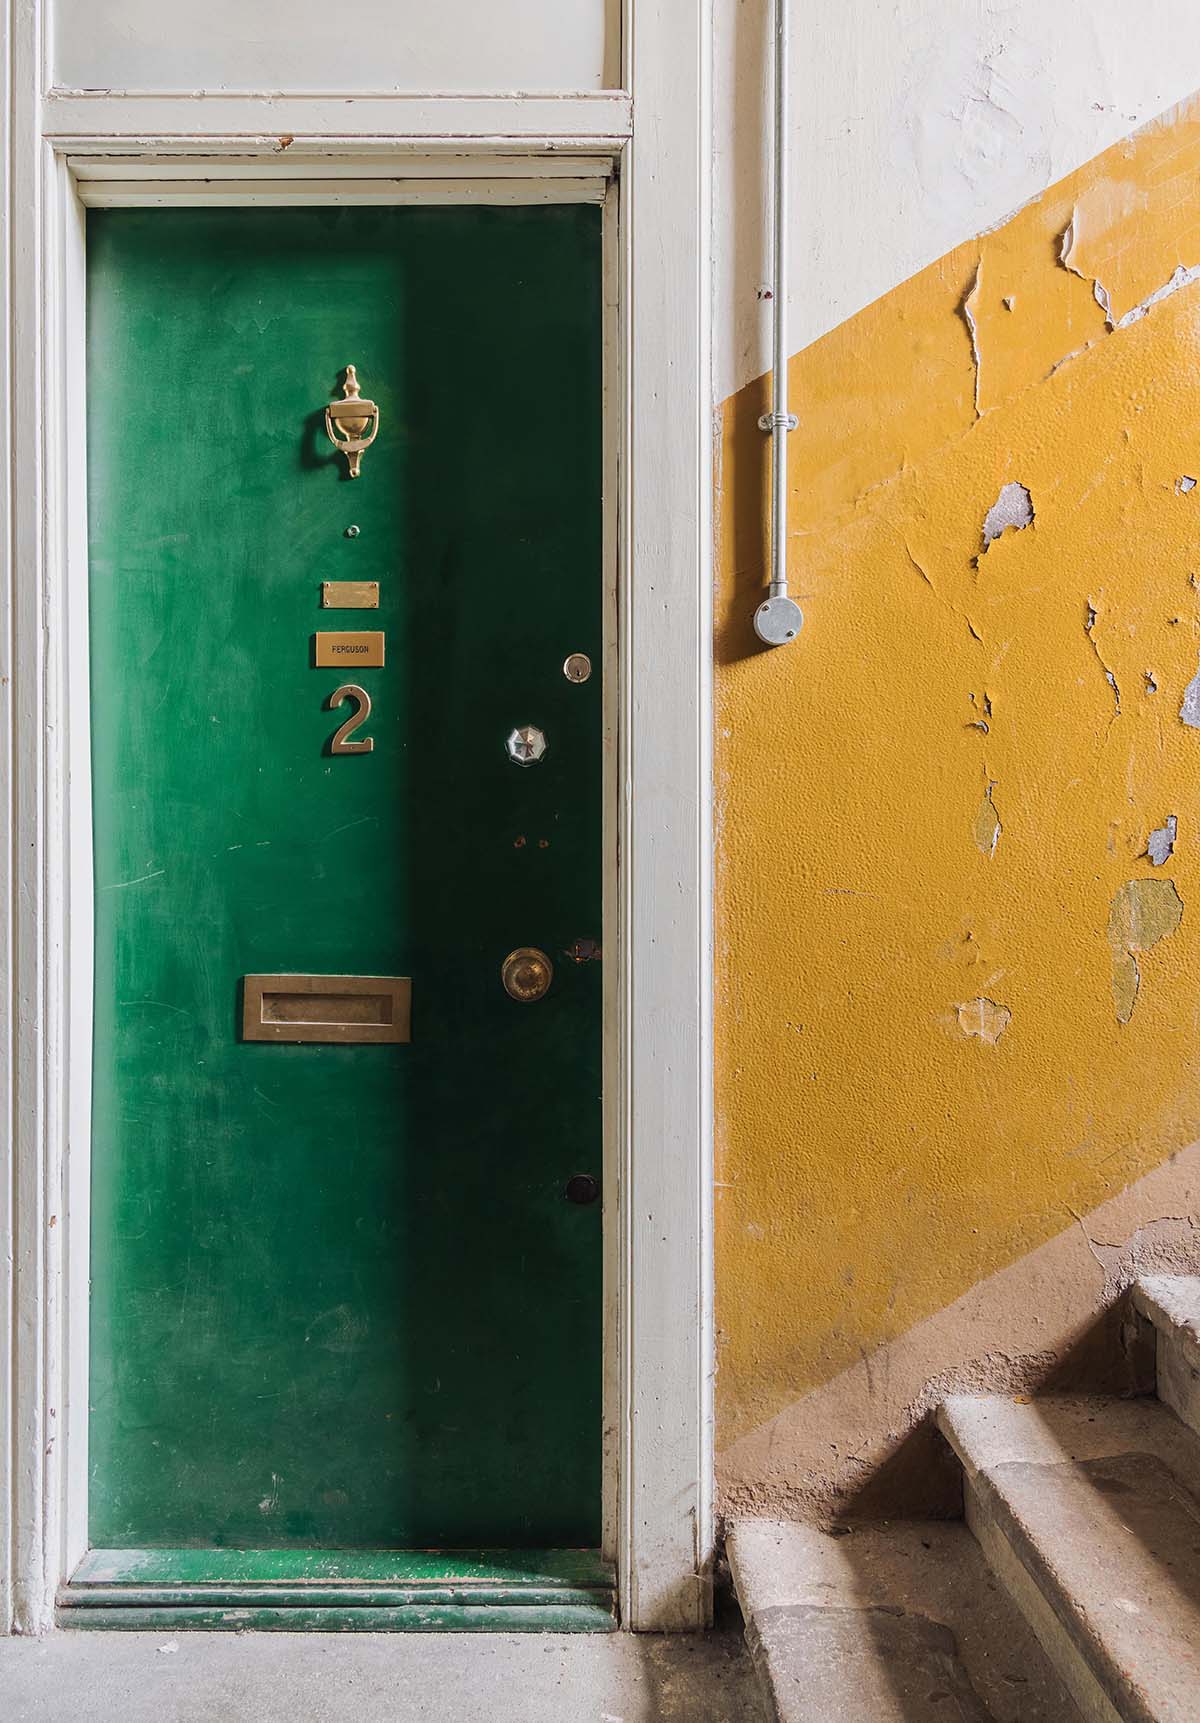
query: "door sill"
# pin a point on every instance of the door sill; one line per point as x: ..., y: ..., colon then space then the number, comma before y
x: 371, y: 1591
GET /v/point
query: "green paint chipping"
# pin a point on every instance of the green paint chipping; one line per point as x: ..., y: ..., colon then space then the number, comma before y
x: 1143, y: 912
x: 338, y: 1300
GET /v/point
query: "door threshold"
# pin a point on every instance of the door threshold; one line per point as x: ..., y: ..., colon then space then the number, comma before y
x: 370, y: 1591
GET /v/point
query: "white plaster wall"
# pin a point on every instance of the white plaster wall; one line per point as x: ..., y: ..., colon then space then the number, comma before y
x: 917, y: 123
x: 334, y: 46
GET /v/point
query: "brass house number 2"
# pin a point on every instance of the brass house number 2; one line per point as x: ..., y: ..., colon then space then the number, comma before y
x: 341, y: 743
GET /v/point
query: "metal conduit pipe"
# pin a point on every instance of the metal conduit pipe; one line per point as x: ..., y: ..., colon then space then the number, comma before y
x: 779, y: 618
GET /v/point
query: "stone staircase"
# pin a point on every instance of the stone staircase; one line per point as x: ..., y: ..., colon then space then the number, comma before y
x: 1071, y: 1592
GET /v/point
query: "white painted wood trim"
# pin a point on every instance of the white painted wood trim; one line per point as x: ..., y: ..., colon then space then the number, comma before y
x: 277, y: 123
x: 667, y: 841
x: 612, y: 1522
x: 8, y: 1412
x: 263, y: 193
x: 79, y: 883
x: 662, y: 1291
x: 284, y: 168
x: 34, y: 793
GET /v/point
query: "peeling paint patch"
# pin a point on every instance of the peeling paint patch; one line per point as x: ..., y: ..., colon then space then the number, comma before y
x: 1151, y: 681
x: 1066, y: 245
x: 984, y: 709
x: 967, y: 308
x: 987, y: 828
x: 1181, y: 278
x: 1161, y: 842
x: 1012, y: 508
x: 928, y: 579
x: 1184, y: 484
x: 984, y: 1019
x: 1066, y: 251
x: 1089, y: 628
x: 1189, y: 712
x: 1143, y: 912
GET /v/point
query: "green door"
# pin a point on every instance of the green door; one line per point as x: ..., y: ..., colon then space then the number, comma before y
x: 341, y: 1298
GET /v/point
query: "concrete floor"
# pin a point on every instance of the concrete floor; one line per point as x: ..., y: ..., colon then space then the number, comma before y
x: 88, y: 1677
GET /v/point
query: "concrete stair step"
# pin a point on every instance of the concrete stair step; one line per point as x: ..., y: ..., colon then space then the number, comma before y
x: 1085, y: 1510
x: 1172, y: 1303
x: 887, y: 1623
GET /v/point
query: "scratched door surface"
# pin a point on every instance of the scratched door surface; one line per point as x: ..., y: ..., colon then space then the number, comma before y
x: 338, y: 1296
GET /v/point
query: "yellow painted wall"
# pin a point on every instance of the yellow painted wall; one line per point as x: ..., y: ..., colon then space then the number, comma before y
x: 957, y: 1003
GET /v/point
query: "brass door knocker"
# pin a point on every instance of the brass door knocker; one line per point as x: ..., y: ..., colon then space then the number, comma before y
x: 352, y: 424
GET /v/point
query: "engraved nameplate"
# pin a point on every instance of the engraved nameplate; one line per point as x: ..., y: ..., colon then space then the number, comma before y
x: 343, y: 649
x: 350, y: 595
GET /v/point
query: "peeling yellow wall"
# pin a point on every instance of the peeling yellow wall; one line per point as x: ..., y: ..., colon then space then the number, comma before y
x: 958, y: 993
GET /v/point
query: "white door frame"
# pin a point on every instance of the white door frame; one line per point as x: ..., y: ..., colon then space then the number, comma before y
x: 659, y: 1429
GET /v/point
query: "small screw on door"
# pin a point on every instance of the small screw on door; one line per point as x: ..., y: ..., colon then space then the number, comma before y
x: 582, y: 1188
x: 526, y: 745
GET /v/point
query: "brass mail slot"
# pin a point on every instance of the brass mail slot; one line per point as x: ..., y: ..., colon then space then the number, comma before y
x: 342, y: 648
x: 350, y: 595
x: 369, y: 1009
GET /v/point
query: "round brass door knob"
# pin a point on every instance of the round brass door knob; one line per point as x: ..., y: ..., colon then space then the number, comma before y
x: 526, y: 974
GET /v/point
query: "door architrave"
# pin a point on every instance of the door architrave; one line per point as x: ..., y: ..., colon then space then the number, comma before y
x: 658, y: 1419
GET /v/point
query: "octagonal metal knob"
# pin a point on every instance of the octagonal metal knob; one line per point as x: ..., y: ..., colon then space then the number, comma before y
x: 526, y: 745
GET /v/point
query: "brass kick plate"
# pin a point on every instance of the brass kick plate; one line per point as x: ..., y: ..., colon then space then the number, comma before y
x: 341, y: 649
x: 368, y: 1009
x: 350, y: 595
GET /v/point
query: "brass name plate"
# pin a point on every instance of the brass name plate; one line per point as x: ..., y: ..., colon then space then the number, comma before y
x: 362, y: 1009
x: 350, y: 595
x: 341, y: 649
